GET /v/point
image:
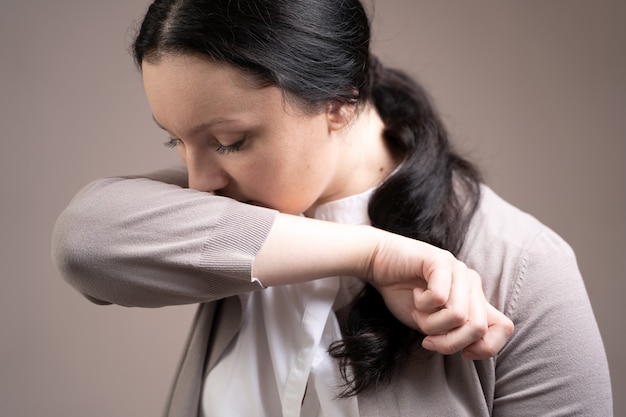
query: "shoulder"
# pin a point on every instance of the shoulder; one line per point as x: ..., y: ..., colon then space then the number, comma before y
x: 506, y: 245
x: 555, y: 356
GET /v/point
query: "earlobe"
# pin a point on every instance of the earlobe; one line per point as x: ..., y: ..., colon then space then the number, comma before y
x: 339, y: 114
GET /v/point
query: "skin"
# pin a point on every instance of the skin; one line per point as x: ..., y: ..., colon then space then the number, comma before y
x: 250, y: 143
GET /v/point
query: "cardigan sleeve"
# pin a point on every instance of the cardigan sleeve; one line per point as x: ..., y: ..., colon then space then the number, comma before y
x: 555, y: 363
x: 149, y: 242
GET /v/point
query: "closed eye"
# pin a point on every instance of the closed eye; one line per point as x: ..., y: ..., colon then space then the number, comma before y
x: 172, y: 143
x: 226, y: 149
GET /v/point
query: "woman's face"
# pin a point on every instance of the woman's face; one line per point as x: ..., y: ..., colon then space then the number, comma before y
x: 242, y: 141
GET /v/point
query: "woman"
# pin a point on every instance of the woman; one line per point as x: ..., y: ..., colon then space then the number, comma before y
x: 279, y: 104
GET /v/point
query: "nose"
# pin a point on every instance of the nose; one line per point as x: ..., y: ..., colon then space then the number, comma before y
x: 204, y: 173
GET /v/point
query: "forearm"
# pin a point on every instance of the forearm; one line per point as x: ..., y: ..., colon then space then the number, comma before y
x: 299, y: 249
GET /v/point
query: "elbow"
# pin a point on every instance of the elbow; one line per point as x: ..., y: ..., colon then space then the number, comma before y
x: 73, y: 254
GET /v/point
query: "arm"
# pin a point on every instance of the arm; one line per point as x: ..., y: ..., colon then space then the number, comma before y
x: 426, y: 288
x: 137, y: 241
x: 554, y: 364
x: 147, y: 241
x: 143, y: 242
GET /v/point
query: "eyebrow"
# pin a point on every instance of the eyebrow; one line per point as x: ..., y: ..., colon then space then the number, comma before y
x: 203, y: 126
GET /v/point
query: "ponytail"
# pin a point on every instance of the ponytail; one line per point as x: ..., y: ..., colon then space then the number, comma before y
x: 430, y: 197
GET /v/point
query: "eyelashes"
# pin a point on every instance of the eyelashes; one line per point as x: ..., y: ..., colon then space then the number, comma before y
x: 171, y: 143
x: 235, y: 147
x: 220, y: 149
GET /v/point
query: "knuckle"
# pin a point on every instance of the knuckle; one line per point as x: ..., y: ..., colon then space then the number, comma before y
x: 456, y: 318
x: 480, y: 331
x: 488, y: 351
x: 438, y: 299
x: 477, y: 330
x: 444, y: 256
x: 474, y: 277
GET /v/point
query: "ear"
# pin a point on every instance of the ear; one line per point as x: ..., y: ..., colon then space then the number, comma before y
x: 339, y: 115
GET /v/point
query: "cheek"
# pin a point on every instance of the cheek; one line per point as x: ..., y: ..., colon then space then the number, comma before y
x: 284, y: 185
x: 275, y: 175
x: 289, y: 172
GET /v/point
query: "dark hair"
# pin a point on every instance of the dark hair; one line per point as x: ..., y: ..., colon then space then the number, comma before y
x: 317, y: 52
x: 312, y: 50
x: 430, y: 197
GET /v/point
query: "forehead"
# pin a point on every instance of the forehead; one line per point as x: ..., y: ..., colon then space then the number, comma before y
x: 194, y: 85
x: 187, y: 90
x: 186, y: 74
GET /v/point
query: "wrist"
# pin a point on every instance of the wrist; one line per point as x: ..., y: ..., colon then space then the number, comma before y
x: 373, y: 241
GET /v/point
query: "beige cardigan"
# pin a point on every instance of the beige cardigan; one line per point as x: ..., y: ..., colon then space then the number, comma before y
x: 139, y: 242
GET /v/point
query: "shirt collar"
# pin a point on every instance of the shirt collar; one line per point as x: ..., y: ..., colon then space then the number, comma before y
x: 348, y: 210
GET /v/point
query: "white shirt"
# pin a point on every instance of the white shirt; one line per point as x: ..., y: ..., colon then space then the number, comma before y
x: 278, y: 365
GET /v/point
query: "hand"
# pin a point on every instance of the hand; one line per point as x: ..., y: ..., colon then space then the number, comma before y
x: 483, y: 323
x: 427, y: 289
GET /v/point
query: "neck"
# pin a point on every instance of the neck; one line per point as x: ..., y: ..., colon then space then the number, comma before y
x: 365, y: 159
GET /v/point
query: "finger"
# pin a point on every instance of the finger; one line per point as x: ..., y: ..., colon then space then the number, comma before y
x: 500, y: 330
x: 472, y: 331
x: 456, y: 311
x: 478, y: 305
x: 438, y: 275
x: 453, y: 341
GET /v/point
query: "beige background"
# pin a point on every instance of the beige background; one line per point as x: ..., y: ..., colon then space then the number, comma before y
x: 534, y: 91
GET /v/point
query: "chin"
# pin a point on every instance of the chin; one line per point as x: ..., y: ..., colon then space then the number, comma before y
x: 283, y: 209
x: 256, y: 203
